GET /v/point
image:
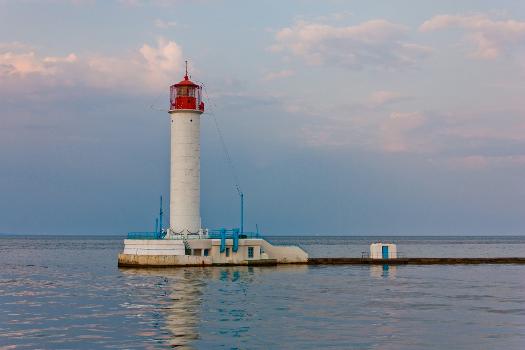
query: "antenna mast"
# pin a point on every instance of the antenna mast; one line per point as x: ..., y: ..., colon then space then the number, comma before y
x: 161, y: 212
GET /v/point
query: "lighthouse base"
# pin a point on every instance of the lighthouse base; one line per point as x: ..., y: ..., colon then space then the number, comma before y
x: 207, y: 252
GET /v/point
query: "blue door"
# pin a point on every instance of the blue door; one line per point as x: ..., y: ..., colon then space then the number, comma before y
x: 385, y: 251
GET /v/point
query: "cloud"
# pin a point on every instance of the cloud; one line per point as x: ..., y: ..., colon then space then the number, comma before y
x: 490, y: 38
x: 166, y: 57
x: 278, y: 75
x: 375, y: 43
x: 150, y: 68
x: 71, y: 58
x: 27, y: 63
x: 493, y: 138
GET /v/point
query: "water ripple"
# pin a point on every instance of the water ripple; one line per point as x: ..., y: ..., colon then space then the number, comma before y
x: 57, y: 293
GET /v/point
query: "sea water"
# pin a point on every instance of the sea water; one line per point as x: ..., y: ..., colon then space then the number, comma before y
x: 67, y: 293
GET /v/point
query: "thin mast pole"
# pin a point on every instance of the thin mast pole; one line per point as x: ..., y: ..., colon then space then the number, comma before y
x: 242, y: 213
x: 160, y: 216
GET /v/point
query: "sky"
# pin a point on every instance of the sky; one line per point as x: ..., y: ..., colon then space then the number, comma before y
x: 341, y: 117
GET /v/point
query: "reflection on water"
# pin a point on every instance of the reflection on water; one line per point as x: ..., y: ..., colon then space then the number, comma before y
x: 180, y: 312
x: 182, y: 317
x: 383, y: 271
x: 57, y: 293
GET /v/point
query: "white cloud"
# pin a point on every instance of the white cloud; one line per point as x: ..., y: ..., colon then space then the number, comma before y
x: 490, y: 38
x: 376, y: 43
x: 166, y: 57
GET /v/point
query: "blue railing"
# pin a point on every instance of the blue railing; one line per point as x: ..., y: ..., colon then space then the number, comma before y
x: 146, y: 235
x: 216, y: 233
x: 222, y: 234
x: 234, y: 234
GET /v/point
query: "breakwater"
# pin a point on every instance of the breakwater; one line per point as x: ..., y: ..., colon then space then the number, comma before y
x: 186, y: 261
x: 415, y: 261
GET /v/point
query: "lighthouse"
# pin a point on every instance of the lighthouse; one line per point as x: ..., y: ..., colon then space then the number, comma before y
x: 185, y: 242
x: 185, y: 111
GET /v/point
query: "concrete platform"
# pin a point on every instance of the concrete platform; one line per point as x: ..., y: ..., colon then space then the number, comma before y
x: 207, y: 252
x: 132, y: 260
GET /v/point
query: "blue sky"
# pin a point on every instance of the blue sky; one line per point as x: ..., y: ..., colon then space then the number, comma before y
x: 342, y: 117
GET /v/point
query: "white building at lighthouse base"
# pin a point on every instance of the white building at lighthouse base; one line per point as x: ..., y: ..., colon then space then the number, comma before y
x: 207, y: 251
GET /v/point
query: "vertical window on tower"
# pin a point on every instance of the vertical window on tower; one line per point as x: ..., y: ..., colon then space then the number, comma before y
x: 250, y: 252
x: 227, y: 251
x: 206, y: 252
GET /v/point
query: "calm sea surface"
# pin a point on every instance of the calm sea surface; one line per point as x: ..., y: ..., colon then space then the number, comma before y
x: 67, y: 293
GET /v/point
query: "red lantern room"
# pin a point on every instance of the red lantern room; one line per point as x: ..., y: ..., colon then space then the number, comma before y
x: 186, y: 95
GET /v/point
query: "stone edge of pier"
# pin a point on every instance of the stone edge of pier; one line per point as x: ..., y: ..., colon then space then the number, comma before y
x: 129, y: 260
x: 416, y: 261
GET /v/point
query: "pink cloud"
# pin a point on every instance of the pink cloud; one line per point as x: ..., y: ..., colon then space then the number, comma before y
x: 490, y: 38
x: 150, y: 68
x: 375, y: 43
x: 23, y: 64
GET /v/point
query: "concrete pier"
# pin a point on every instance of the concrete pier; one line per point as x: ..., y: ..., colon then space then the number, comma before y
x: 415, y: 261
x: 129, y: 260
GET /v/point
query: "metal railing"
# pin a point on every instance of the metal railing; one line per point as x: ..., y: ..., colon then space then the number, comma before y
x: 229, y: 233
x: 215, y: 234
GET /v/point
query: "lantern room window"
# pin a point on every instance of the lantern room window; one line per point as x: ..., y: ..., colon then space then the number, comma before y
x: 186, y: 91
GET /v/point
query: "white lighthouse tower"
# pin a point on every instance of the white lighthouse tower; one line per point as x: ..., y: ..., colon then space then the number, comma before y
x: 185, y: 242
x: 185, y: 111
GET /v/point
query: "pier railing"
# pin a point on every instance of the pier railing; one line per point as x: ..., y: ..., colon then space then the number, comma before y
x: 215, y: 234
x: 230, y: 233
x: 233, y: 234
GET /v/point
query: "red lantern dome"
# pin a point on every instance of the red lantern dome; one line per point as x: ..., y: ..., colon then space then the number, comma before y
x: 186, y: 95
